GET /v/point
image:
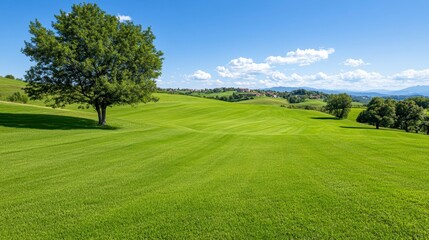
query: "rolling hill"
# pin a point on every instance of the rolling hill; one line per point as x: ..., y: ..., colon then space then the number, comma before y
x: 195, y: 168
x: 416, y: 90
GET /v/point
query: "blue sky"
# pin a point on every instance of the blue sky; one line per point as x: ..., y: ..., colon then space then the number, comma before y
x: 354, y: 45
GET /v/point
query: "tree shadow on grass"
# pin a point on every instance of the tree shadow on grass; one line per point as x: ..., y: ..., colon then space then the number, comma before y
x: 325, y: 118
x: 371, y: 128
x: 368, y: 128
x: 48, y: 122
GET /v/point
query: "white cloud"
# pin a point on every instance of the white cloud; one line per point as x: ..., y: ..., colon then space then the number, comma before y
x: 351, y: 80
x: 242, y: 68
x: 218, y: 82
x: 276, y: 75
x: 210, y: 82
x: 358, y: 80
x: 224, y: 72
x: 359, y: 74
x: 412, y: 74
x: 245, y: 72
x: 245, y: 83
x: 354, y: 62
x: 123, y: 18
x: 200, y: 75
x: 302, y: 57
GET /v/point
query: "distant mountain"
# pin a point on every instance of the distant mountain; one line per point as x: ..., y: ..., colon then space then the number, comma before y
x: 411, y: 91
x: 354, y: 93
x: 416, y: 90
x: 369, y: 94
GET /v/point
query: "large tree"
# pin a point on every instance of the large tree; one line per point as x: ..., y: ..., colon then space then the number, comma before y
x: 91, y: 58
x: 339, y: 105
x: 380, y: 112
x: 409, y: 115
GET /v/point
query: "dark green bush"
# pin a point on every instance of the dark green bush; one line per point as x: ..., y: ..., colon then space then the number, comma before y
x: 18, y: 97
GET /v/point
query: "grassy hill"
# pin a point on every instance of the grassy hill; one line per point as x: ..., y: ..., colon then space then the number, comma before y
x: 9, y: 86
x: 189, y: 167
x: 266, y: 101
x: 321, y: 103
x: 212, y: 95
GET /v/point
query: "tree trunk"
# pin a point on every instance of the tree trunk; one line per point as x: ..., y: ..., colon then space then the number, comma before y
x: 377, y: 125
x: 103, y: 116
x: 100, y: 119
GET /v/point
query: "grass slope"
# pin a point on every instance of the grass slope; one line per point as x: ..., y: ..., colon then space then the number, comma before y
x: 9, y: 86
x: 189, y: 167
x: 266, y: 101
x: 219, y: 94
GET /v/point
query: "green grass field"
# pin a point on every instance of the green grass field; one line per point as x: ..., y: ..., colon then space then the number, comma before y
x: 189, y: 167
x: 311, y: 102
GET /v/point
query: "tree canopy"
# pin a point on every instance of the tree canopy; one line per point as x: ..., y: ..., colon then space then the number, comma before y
x: 420, y: 101
x: 92, y: 59
x: 380, y: 112
x: 339, y: 105
x: 409, y: 115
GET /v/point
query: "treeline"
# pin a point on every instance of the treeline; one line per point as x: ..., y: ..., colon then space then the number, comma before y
x: 301, y: 95
x: 228, y: 94
x: 236, y: 97
x: 241, y: 94
x: 10, y: 76
x: 409, y: 115
x: 189, y: 91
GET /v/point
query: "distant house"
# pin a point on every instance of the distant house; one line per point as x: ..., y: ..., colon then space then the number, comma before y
x: 243, y: 90
x: 271, y: 94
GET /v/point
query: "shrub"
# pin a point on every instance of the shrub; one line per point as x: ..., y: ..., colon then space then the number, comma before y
x: 315, y: 108
x: 305, y: 107
x: 18, y: 97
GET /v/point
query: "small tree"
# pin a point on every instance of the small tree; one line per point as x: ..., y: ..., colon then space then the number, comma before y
x: 408, y: 115
x: 379, y: 112
x: 10, y: 76
x: 92, y: 59
x: 339, y: 105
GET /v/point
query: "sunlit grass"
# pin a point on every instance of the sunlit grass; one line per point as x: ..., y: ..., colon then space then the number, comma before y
x: 189, y: 167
